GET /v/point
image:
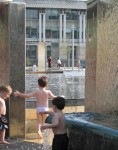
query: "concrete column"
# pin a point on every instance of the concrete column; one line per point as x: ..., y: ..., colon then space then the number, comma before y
x: 41, y: 56
x: 60, y: 31
x: 44, y: 27
x: 101, y: 90
x: 80, y: 27
x: 40, y: 23
x: 12, y: 56
x: 73, y: 47
x: 84, y: 27
x: 64, y: 28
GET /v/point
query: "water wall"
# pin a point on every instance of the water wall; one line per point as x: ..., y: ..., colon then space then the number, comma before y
x: 12, y: 61
x: 101, y: 87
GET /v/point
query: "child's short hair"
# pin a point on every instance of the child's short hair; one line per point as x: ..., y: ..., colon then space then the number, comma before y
x: 43, y: 81
x: 6, y: 88
x: 59, y: 102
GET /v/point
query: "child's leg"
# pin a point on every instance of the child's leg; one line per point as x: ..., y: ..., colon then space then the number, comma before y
x: 2, y: 137
x: 40, y: 121
x: 44, y: 118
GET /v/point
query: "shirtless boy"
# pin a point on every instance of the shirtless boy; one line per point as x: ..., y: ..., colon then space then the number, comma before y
x: 41, y: 95
x: 60, y: 140
x: 5, y: 92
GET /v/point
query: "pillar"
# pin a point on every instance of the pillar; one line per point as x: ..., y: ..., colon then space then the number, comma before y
x: 12, y: 57
x: 40, y: 24
x: 80, y: 27
x: 41, y: 56
x: 101, y: 90
x: 60, y: 31
x: 64, y: 27
x: 44, y: 27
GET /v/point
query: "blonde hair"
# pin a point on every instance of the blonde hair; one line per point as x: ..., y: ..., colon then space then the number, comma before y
x: 6, y: 88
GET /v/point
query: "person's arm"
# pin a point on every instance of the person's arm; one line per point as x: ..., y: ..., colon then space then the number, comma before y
x: 51, y: 95
x: 2, y: 108
x: 48, y: 112
x: 1, y: 105
x: 54, y: 124
x: 24, y: 95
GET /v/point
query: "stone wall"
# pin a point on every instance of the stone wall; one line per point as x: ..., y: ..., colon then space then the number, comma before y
x: 101, y: 90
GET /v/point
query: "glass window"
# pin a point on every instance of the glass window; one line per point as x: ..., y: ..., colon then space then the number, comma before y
x: 68, y: 33
x: 28, y: 14
x: 31, y: 13
x: 74, y: 15
x: 33, y: 32
x: 27, y: 32
x: 75, y: 34
x: 55, y: 33
x: 71, y: 14
x: 48, y: 33
x: 52, y: 14
x: 48, y: 51
x: 55, y: 14
x: 68, y: 14
x: 48, y: 13
x: 31, y: 51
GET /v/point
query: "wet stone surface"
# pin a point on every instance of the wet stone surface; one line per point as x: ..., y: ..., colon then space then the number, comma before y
x: 21, y: 145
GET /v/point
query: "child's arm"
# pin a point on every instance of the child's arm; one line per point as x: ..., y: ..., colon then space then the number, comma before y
x: 2, y: 108
x: 29, y: 95
x: 50, y: 95
x: 48, y: 112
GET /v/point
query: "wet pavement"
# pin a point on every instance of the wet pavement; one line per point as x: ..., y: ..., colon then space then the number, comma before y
x: 21, y: 145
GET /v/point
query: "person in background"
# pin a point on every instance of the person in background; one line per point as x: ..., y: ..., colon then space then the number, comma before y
x: 79, y: 64
x: 5, y: 91
x: 60, y: 140
x: 41, y: 94
x: 34, y: 68
x: 49, y: 62
x: 58, y: 63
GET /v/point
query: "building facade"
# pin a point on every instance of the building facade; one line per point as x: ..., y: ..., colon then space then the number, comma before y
x: 50, y: 22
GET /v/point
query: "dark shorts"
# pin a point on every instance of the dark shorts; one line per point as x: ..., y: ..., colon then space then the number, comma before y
x: 3, y: 123
x: 60, y: 142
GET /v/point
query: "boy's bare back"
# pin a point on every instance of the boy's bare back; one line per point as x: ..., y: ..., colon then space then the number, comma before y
x: 42, y: 95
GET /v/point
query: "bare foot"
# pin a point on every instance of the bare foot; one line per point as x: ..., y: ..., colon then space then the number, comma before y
x: 40, y: 141
x: 4, y: 142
